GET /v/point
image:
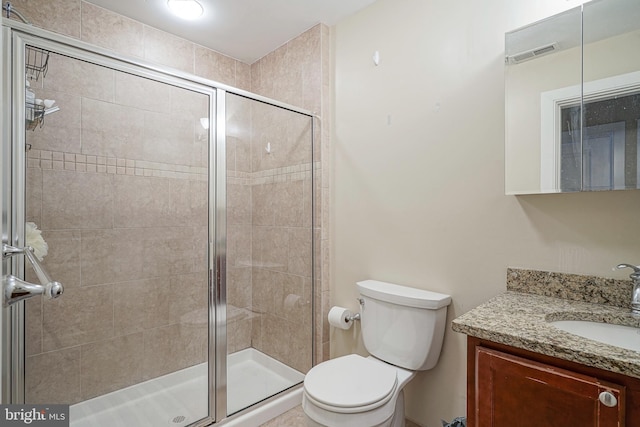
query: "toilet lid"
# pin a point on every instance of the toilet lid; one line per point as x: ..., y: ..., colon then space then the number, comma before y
x: 350, y: 381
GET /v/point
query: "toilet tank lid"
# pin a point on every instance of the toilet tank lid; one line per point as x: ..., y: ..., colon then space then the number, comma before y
x: 403, y: 295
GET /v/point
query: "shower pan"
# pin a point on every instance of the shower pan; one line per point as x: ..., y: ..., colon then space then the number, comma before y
x: 177, y: 213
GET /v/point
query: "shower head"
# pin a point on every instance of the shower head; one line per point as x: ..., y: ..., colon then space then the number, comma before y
x: 8, y: 8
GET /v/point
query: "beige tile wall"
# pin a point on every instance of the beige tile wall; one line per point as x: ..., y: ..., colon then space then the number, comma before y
x: 269, y: 230
x: 240, y: 311
x: 124, y: 209
x: 281, y: 255
x: 297, y: 73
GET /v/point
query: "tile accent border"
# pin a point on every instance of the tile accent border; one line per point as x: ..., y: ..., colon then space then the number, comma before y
x: 288, y: 173
x: 576, y: 287
x: 111, y: 165
x: 56, y: 160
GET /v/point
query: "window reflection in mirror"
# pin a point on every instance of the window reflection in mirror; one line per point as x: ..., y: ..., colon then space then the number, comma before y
x: 609, y: 146
x: 611, y: 111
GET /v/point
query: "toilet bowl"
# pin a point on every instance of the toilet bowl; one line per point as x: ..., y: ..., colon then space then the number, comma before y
x: 403, y: 329
x: 354, y: 391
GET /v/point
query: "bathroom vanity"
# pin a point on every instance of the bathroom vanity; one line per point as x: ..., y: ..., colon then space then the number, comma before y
x: 524, y: 371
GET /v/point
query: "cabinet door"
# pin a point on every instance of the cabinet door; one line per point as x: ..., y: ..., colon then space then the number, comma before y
x: 516, y: 392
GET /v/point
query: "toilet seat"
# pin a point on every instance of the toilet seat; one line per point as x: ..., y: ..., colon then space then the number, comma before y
x: 350, y: 384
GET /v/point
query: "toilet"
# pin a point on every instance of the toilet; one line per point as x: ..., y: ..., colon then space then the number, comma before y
x: 402, y: 329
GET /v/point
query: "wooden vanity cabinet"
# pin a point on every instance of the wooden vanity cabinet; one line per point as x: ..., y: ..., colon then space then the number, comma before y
x: 511, y: 387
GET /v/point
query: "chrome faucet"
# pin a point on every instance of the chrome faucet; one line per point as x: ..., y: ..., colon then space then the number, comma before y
x: 635, y: 277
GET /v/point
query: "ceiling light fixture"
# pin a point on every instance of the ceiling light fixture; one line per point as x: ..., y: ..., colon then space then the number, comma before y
x: 186, y: 9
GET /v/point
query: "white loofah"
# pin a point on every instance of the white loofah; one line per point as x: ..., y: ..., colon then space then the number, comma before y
x: 35, y: 240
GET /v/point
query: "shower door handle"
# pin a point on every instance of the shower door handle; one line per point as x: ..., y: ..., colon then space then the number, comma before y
x: 16, y: 289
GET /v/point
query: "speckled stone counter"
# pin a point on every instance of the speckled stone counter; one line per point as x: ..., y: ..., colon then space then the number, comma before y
x: 520, y: 317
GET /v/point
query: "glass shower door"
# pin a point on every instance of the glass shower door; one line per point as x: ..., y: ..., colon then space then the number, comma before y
x: 269, y: 229
x: 116, y: 180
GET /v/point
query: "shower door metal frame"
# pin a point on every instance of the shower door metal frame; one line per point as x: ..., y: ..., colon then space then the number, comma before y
x: 5, y: 135
x: 218, y: 258
x: 14, y: 36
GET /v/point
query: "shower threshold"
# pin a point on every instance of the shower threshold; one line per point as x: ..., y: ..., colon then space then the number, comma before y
x: 181, y: 398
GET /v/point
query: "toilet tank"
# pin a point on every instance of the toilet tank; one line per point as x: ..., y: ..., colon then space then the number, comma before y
x: 401, y: 325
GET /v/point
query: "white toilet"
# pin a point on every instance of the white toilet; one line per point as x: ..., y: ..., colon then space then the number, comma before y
x: 403, y: 329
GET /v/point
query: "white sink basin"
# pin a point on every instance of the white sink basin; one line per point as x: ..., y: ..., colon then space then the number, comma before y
x: 621, y: 336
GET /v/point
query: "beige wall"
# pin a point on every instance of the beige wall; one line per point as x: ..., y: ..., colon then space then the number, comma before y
x: 418, y: 158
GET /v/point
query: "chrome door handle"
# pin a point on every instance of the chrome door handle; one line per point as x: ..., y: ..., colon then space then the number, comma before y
x: 16, y: 289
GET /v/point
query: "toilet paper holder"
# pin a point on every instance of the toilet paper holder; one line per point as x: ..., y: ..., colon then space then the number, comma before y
x: 341, y: 317
x: 357, y: 315
x: 354, y: 317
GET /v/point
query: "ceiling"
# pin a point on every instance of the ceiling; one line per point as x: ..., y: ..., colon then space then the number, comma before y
x: 243, y: 29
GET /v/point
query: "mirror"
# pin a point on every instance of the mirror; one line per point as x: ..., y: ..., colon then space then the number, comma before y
x: 573, y: 101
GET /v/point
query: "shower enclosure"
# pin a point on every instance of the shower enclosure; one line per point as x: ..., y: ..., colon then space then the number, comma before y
x: 178, y: 215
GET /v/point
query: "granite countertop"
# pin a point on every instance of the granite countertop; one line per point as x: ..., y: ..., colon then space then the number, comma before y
x: 520, y: 317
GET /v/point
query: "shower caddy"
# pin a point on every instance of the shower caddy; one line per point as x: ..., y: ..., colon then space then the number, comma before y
x: 36, y: 64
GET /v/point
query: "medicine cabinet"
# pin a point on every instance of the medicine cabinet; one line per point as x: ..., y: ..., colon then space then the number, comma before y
x: 572, y: 85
